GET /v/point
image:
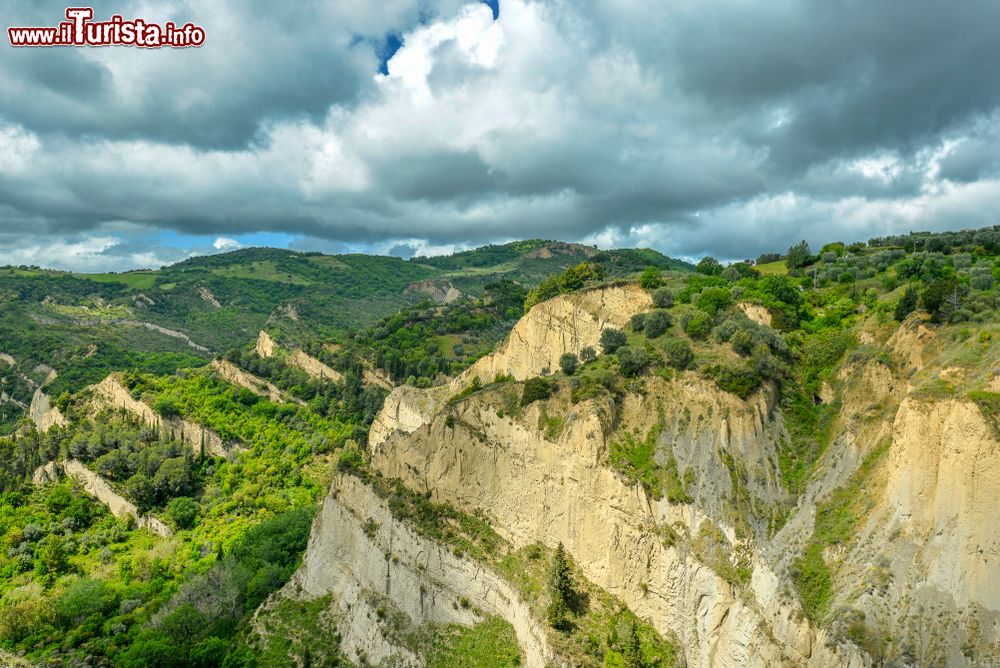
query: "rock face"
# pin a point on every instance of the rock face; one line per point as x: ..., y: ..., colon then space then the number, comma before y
x: 100, y: 489
x: 564, y: 324
x: 917, y: 582
x: 314, y: 367
x: 263, y: 388
x: 536, y: 489
x: 442, y: 293
x: 43, y: 413
x: 759, y: 314
x: 112, y: 394
x: 265, y: 345
x: 358, y: 550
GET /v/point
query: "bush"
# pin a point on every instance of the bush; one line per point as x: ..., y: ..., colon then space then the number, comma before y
x: 568, y: 362
x: 632, y: 361
x: 612, y: 339
x: 740, y: 381
x: 651, y: 278
x: 709, y: 266
x: 663, y: 298
x: 697, y: 325
x: 657, y: 323
x: 182, y: 511
x: 637, y: 322
x: 713, y: 300
x: 166, y: 408
x: 535, y: 389
x: 679, y: 353
x: 906, y: 305
x: 588, y: 354
x: 799, y: 255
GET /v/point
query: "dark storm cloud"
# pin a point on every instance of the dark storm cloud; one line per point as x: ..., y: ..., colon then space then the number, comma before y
x: 726, y: 127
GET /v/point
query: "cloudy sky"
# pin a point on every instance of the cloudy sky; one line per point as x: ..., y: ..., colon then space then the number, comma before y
x: 724, y: 127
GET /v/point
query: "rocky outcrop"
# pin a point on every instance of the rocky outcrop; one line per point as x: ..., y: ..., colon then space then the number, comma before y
x: 100, y: 489
x: 231, y: 373
x: 7, y: 359
x: 564, y: 324
x: 538, y: 489
x: 369, y: 560
x: 207, y: 295
x: 43, y: 413
x: 757, y: 313
x: 313, y: 367
x: 111, y: 393
x: 265, y: 346
x: 442, y: 293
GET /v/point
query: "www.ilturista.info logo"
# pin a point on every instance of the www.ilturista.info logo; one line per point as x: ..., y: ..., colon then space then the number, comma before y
x: 80, y: 30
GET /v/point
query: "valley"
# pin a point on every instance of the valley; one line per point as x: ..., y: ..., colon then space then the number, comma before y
x: 535, y: 454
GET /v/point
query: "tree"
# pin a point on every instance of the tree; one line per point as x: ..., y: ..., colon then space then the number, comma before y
x: 560, y: 585
x: 632, y: 361
x: 182, y: 511
x: 657, y: 323
x: 709, y: 266
x: 907, y: 304
x: 612, y: 339
x: 651, y: 278
x: 663, y: 298
x: 166, y: 408
x: 940, y: 298
x: 588, y: 354
x: 637, y: 322
x: 679, y: 353
x: 52, y: 555
x: 799, y: 255
x: 535, y: 389
x: 568, y: 363
x: 632, y: 652
x: 712, y: 300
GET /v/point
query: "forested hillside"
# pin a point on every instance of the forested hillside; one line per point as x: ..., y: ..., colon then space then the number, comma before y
x: 168, y: 488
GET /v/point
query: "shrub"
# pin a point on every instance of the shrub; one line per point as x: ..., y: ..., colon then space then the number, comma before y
x: 182, y: 511
x: 166, y: 408
x: 709, y: 266
x: 535, y: 389
x: 651, y: 278
x: 907, y: 304
x: 657, y: 323
x: 632, y: 361
x: 697, y: 325
x: 612, y: 339
x: 712, y: 300
x: 799, y: 255
x: 663, y: 298
x: 568, y: 362
x: 588, y: 354
x: 679, y: 353
x: 637, y: 322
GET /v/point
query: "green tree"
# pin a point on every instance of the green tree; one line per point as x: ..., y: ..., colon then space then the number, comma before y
x: 568, y: 362
x: 560, y: 586
x: 713, y: 300
x: 679, y: 353
x: 709, y: 266
x: 941, y: 298
x: 657, y: 323
x: 52, y: 558
x: 663, y: 298
x: 907, y: 304
x: 166, y: 408
x: 182, y: 511
x: 632, y: 652
x: 535, y: 389
x: 612, y: 339
x: 632, y: 361
x: 651, y: 278
x: 799, y: 255
x: 588, y: 354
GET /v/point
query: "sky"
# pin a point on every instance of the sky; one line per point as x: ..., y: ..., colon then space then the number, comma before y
x: 721, y: 127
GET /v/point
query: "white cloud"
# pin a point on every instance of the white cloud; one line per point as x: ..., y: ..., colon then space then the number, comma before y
x: 226, y: 244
